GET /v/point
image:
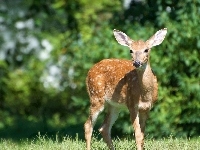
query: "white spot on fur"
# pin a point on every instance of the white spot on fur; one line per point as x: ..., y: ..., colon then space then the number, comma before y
x: 99, y: 83
x: 145, y: 105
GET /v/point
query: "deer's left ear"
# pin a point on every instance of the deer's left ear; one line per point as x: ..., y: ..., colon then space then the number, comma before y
x: 122, y: 38
x: 157, y: 38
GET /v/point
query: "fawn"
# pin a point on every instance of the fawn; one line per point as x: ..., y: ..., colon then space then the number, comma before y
x: 123, y: 84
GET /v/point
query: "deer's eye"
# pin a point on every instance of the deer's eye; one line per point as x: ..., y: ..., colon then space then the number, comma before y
x: 146, y: 50
x: 131, y: 51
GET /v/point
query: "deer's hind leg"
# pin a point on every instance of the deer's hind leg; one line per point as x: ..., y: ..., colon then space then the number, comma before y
x: 95, y: 110
x: 110, y: 119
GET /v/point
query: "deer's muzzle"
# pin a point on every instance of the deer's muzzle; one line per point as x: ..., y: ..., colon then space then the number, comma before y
x: 137, y: 64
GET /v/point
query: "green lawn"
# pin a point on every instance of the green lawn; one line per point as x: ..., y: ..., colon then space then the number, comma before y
x: 44, y: 143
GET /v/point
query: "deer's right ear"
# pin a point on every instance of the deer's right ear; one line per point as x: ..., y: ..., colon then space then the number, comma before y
x: 157, y: 38
x: 122, y: 38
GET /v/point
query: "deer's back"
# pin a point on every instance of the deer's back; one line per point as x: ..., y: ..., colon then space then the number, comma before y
x: 111, y: 80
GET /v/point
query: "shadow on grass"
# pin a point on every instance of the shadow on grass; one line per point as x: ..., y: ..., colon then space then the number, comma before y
x: 23, y: 129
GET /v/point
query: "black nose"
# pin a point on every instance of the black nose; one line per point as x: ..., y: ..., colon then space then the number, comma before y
x: 137, y: 64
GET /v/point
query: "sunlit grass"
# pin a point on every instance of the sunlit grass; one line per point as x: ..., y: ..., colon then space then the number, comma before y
x: 45, y: 143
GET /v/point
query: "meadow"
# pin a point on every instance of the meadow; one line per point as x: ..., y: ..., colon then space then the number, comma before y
x: 46, y: 143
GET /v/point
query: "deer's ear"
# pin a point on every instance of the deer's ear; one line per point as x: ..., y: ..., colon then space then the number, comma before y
x: 122, y: 38
x: 157, y: 38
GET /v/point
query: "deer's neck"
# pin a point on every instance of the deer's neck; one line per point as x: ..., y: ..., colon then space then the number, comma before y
x: 146, y: 78
x: 146, y: 85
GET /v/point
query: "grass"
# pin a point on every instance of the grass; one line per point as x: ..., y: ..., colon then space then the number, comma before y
x: 45, y: 143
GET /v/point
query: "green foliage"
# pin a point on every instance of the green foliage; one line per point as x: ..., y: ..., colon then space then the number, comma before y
x: 70, y: 36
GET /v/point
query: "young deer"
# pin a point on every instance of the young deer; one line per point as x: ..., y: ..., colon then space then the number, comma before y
x: 123, y: 83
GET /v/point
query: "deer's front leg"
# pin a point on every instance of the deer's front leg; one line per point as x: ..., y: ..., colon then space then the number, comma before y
x: 138, y: 119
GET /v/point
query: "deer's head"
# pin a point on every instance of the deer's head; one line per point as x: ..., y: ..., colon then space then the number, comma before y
x: 140, y: 50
